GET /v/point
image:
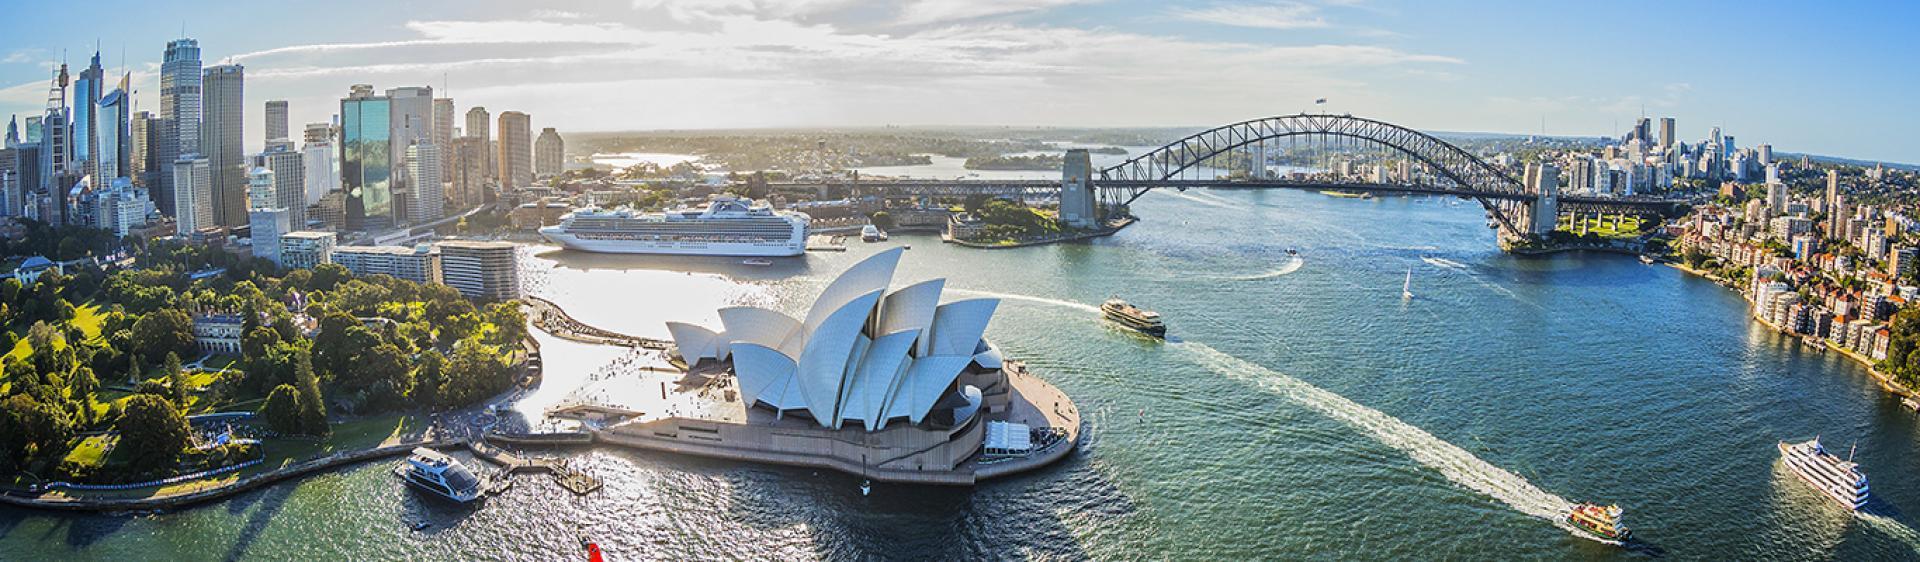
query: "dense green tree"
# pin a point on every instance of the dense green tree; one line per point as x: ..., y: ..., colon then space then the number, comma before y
x: 163, y: 332
x: 176, y: 379
x: 153, y: 431
x: 313, y: 410
x: 428, y: 380
x: 282, y: 410
x: 81, y: 388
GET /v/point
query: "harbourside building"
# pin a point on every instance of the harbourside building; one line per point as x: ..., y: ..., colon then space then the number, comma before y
x: 417, y: 264
x: 304, y: 249
x: 875, y: 380
x: 481, y: 270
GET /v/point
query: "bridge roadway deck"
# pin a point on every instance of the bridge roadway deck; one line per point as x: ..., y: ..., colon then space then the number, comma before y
x: 958, y: 188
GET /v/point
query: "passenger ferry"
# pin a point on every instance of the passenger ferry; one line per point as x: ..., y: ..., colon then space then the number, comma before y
x: 435, y: 472
x: 1837, y: 479
x: 1144, y: 321
x: 728, y: 226
x: 871, y: 233
x: 1602, y: 521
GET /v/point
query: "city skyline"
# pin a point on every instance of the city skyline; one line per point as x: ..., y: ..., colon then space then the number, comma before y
x: 818, y: 63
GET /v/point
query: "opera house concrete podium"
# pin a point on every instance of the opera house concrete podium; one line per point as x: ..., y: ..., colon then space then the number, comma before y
x: 886, y: 383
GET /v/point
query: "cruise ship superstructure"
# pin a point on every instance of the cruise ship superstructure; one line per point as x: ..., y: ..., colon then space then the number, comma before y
x: 728, y: 226
x: 1834, y: 477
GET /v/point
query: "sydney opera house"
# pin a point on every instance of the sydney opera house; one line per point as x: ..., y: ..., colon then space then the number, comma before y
x: 884, y: 382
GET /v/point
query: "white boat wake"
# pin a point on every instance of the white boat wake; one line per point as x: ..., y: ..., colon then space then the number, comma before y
x: 1027, y: 298
x: 1451, y: 461
x: 1444, y: 262
x: 1197, y: 199
x: 1291, y: 266
x: 1892, y: 527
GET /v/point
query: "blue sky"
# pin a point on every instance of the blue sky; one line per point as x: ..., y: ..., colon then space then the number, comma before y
x: 1831, y: 78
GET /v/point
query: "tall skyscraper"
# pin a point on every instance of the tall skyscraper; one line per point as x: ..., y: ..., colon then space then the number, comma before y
x: 276, y: 121
x: 142, y: 134
x: 516, y: 151
x: 549, y: 154
x: 86, y: 102
x: 13, y: 132
x: 320, y: 161
x: 179, y: 116
x: 1666, y: 133
x: 289, y: 181
x: 412, y: 122
x: 469, y: 172
x: 193, y: 192
x: 479, y: 126
x: 223, y: 103
x: 115, y: 144
x: 1834, y: 206
x: 425, y: 202
x: 443, y: 133
x: 366, y: 159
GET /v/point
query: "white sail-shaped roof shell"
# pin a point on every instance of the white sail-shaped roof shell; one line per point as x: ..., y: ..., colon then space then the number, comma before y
x: 860, y: 354
x: 829, y: 352
x: 695, y: 343
x: 912, y: 308
x: 958, y: 326
x: 762, y: 326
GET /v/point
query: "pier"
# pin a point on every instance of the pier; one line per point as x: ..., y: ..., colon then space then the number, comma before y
x: 552, y: 319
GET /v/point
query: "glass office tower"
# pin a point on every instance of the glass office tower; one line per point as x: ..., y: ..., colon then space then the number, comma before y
x: 366, y: 160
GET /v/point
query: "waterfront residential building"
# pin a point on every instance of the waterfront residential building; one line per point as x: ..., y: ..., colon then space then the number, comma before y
x: 1785, y: 229
x: 192, y: 194
x: 516, y: 151
x: 418, y: 264
x: 221, y: 141
x: 481, y: 270
x: 549, y: 154
x: 366, y: 160
x: 304, y: 249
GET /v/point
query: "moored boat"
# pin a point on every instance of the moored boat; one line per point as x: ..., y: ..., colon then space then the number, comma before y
x: 1840, y: 480
x: 871, y: 233
x: 435, y: 472
x: 1602, y: 521
x: 757, y: 261
x: 1135, y: 318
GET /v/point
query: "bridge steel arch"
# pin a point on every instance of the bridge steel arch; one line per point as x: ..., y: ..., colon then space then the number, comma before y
x: 1125, y: 182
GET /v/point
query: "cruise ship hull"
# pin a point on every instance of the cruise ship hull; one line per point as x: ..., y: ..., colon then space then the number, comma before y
x: 680, y: 248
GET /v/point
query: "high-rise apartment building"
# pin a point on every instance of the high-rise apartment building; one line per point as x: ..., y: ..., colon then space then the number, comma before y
x: 416, y: 264
x: 425, y: 202
x: 289, y: 182
x: 304, y: 249
x: 479, y: 125
x: 1666, y: 133
x: 366, y: 160
x: 179, y: 116
x: 469, y: 166
x: 223, y: 103
x: 516, y: 151
x: 142, y: 135
x: 443, y: 132
x: 549, y: 154
x: 193, y: 194
x: 276, y: 121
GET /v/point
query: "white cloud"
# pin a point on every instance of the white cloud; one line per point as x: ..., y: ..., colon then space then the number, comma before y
x: 1275, y: 15
x: 935, y: 11
x: 547, y: 14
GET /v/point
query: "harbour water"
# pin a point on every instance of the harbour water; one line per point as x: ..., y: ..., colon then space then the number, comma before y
x: 1301, y: 409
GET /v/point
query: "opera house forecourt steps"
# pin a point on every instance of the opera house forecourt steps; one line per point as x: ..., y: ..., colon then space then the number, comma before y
x: 888, y: 384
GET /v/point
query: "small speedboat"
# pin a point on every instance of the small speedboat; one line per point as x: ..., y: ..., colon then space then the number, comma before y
x: 1292, y: 252
x: 757, y: 261
x: 866, y: 487
x: 1602, y: 521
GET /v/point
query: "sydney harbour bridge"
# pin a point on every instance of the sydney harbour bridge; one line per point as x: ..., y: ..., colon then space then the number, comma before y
x: 1520, y: 210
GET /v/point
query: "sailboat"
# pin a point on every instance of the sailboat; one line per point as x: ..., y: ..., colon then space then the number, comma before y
x: 1406, y: 290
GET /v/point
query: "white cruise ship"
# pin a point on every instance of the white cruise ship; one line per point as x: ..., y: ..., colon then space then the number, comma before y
x: 436, y: 472
x: 1833, y: 477
x: 729, y: 226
